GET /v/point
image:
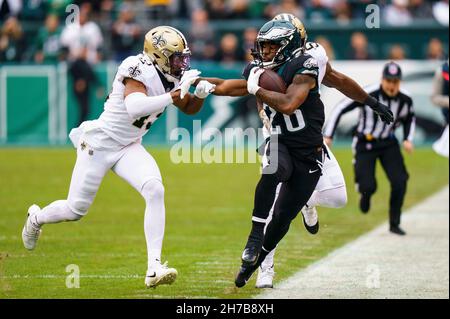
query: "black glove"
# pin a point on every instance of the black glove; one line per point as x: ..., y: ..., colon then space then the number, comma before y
x: 380, y: 109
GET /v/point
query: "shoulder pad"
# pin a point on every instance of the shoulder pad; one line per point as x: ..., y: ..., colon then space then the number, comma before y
x: 247, y: 69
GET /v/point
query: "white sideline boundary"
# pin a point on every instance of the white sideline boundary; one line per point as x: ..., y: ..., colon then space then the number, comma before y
x: 381, y: 265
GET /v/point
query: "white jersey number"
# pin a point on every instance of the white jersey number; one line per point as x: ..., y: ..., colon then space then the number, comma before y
x: 290, y: 125
x: 301, y: 121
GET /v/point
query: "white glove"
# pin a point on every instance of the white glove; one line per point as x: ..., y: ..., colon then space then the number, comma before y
x: 203, y: 89
x: 253, y: 80
x: 188, y: 78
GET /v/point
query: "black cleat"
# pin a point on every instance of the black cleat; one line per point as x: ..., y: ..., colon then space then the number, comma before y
x: 364, y: 203
x: 311, y: 229
x: 397, y: 230
x: 244, y: 274
x: 250, y: 256
x: 309, y: 215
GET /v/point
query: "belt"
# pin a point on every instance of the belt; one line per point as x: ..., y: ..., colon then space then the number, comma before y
x: 371, y: 138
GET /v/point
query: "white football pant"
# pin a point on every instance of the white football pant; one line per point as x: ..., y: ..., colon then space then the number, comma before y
x: 136, y: 166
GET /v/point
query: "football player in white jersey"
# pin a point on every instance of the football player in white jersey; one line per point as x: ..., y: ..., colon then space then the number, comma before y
x: 144, y: 86
x: 331, y: 189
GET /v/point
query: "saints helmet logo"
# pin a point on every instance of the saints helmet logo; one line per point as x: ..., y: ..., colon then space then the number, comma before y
x: 159, y: 41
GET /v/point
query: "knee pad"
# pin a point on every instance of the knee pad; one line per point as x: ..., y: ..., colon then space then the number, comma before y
x: 153, y: 188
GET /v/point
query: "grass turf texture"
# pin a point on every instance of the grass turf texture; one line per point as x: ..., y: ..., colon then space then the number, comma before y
x: 208, y: 220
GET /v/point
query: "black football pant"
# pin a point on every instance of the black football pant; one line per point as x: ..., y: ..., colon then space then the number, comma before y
x: 278, y: 170
x: 299, y: 176
x: 391, y: 159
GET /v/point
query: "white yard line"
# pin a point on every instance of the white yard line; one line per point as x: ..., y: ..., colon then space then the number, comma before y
x: 383, y: 265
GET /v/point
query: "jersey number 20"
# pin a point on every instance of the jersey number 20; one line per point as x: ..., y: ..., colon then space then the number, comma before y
x: 290, y: 125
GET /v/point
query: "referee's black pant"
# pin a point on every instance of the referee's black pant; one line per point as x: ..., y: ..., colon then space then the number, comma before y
x: 391, y: 159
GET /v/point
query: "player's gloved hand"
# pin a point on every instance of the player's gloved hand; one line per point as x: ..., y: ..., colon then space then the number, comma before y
x: 253, y: 80
x: 203, y: 89
x: 188, y: 78
x: 380, y: 109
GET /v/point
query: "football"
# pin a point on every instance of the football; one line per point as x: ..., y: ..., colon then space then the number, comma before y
x: 270, y: 80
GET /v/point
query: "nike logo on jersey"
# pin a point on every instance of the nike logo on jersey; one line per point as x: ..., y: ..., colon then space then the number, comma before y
x: 312, y: 172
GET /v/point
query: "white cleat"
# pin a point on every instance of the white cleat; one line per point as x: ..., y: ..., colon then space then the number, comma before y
x: 160, y: 274
x: 310, y: 219
x: 31, y: 231
x: 265, y: 277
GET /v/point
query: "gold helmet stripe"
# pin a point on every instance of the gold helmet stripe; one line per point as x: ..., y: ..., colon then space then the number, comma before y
x: 180, y: 34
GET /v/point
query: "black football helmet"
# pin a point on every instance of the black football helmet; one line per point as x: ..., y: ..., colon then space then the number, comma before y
x: 280, y: 32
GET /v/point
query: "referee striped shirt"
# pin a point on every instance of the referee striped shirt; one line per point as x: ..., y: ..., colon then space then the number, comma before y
x: 370, y: 125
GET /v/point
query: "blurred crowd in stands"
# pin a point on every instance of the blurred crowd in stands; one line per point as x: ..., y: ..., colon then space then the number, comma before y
x: 37, y: 30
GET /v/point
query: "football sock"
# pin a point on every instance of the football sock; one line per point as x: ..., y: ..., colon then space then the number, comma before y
x: 268, y: 261
x: 256, y: 236
x: 154, y: 219
x: 56, y: 212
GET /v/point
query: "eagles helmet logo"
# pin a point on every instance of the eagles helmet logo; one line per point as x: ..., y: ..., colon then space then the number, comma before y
x: 311, y: 63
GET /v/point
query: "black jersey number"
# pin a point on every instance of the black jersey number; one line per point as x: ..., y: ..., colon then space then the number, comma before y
x: 311, y: 45
x: 139, y: 123
x: 145, y: 120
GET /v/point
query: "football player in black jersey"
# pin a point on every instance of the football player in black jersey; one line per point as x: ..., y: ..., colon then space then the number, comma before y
x: 297, y: 117
x: 293, y: 121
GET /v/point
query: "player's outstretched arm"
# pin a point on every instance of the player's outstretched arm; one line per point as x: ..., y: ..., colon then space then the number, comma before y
x: 232, y: 87
x: 354, y: 91
x: 190, y: 104
x: 139, y: 104
x: 294, y: 97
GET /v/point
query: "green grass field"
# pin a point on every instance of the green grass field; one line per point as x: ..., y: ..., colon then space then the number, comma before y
x: 208, y: 220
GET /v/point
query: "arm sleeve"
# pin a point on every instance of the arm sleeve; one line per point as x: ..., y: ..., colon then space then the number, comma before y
x: 138, y: 104
x: 409, y: 124
x: 345, y: 106
x: 436, y: 97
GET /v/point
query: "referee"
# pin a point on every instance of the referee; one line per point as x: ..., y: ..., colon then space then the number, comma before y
x: 376, y: 140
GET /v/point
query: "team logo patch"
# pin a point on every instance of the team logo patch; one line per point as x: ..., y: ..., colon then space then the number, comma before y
x: 393, y: 69
x: 310, y: 63
x: 134, y: 71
